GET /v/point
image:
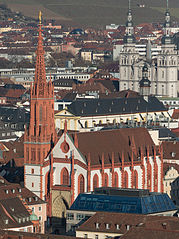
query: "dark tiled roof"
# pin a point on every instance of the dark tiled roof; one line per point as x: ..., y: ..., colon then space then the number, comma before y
x: 165, y: 133
x: 92, y: 107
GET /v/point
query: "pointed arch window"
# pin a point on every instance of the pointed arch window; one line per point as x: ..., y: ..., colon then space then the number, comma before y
x: 40, y: 114
x: 81, y: 184
x: 135, y: 179
x: 116, y: 180
x: 106, y: 180
x: 95, y: 181
x: 65, y: 179
x: 125, y: 179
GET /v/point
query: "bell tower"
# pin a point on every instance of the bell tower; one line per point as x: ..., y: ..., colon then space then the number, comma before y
x: 40, y: 133
x: 128, y: 56
x: 167, y: 62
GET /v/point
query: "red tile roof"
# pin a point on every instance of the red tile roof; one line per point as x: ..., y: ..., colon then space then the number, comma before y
x: 171, y: 150
x: 175, y: 114
x: 132, y: 220
x: 113, y: 141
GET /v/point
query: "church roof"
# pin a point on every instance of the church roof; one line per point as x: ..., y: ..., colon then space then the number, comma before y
x: 94, y: 107
x: 118, y: 142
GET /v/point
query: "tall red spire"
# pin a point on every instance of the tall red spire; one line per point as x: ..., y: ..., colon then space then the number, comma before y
x: 40, y: 74
x: 40, y: 133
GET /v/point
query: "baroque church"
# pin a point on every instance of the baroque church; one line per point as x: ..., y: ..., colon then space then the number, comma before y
x: 163, y: 69
x: 58, y: 168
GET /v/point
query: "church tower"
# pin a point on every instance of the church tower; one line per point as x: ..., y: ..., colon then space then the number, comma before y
x: 128, y: 56
x: 167, y: 73
x: 40, y: 133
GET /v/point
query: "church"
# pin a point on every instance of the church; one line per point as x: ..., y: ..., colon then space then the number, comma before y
x: 58, y: 168
x: 163, y: 69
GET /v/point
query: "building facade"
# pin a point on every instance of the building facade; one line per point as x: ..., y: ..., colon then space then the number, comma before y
x: 163, y: 69
x: 58, y: 170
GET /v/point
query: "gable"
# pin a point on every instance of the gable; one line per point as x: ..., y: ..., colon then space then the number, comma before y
x: 64, y: 112
x: 65, y: 148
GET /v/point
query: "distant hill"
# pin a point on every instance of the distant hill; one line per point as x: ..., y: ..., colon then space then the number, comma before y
x: 95, y: 12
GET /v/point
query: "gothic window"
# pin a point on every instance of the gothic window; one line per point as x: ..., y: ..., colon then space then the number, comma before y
x: 33, y: 154
x: 65, y: 177
x: 95, y: 181
x: 135, y: 179
x: 162, y: 74
x: 27, y: 152
x: 40, y: 114
x: 116, y: 180
x: 106, y: 182
x: 125, y: 179
x: 81, y: 184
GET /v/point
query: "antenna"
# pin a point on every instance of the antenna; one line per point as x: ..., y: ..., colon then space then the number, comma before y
x: 167, y: 4
x: 129, y: 4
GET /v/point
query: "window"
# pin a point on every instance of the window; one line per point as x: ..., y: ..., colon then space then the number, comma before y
x: 40, y: 209
x: 32, y: 170
x: 135, y: 179
x: 116, y: 180
x: 40, y: 218
x: 95, y: 181
x: 106, y: 180
x: 65, y: 177
x: 107, y: 226
x: 125, y: 179
x: 80, y: 216
x: 32, y: 185
x: 96, y: 237
x: 97, y: 225
x: 81, y: 184
x: 70, y: 216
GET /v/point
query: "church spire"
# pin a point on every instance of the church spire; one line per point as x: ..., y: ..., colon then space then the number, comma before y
x: 40, y: 84
x: 129, y: 36
x: 167, y: 39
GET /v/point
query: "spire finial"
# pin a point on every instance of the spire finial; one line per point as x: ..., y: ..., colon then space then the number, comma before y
x: 167, y: 4
x: 40, y: 17
x: 129, y: 4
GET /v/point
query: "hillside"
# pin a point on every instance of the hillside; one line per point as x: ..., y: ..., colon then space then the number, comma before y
x: 94, y: 12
